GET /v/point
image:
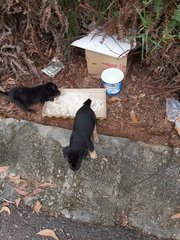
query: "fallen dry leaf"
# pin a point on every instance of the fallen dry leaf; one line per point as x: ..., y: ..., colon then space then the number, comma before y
x: 5, y: 209
x: 36, y: 183
x: 31, y: 51
x: 142, y: 95
x: 34, y: 193
x: 23, y: 186
x: 11, y: 81
x: 176, y: 216
x: 17, y: 202
x: 134, y: 97
x: 6, y: 203
x: 2, y: 89
x: 125, y: 221
x: 114, y: 99
x: 4, y: 168
x: 48, y: 233
x: 133, y: 117
x: 15, y: 179
x: 11, y: 106
x: 46, y: 185
x: 50, y: 52
x: 43, y: 185
x: 21, y: 192
x: 165, y: 122
x: 37, y: 207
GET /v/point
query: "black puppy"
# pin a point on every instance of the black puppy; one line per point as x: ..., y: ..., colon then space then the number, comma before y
x: 24, y: 97
x: 80, y: 141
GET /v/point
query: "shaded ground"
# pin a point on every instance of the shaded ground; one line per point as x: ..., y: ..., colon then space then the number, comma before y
x: 24, y: 224
x: 138, y: 94
x: 131, y: 183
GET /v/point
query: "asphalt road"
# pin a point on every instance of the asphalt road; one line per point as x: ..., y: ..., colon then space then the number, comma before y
x: 23, y: 224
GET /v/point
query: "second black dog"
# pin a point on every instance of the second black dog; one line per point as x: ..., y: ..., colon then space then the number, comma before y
x: 80, y: 141
x: 24, y: 97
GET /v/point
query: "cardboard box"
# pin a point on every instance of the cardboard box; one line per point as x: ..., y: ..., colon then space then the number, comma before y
x: 54, y: 109
x: 103, y: 52
x: 97, y: 63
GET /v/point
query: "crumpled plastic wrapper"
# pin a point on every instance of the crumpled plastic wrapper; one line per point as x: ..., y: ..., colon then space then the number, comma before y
x: 54, y: 66
x: 172, y: 109
x: 173, y: 112
x: 177, y: 125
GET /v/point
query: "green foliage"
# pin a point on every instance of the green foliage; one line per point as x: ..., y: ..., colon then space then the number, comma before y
x: 155, y: 27
x: 73, y: 23
x: 152, y: 34
x: 173, y: 26
x: 72, y: 12
x: 158, y: 5
x: 79, y: 11
x: 104, y: 9
x: 143, y: 32
x: 49, y: 2
x: 63, y: 3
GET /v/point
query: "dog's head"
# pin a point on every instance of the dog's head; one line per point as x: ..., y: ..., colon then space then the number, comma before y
x: 74, y: 158
x: 52, y: 89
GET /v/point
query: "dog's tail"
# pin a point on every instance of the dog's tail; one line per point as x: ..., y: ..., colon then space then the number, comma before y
x: 4, y: 93
x: 87, y: 102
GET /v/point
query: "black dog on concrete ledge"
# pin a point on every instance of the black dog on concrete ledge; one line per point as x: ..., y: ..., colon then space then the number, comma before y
x: 24, y: 97
x: 80, y: 141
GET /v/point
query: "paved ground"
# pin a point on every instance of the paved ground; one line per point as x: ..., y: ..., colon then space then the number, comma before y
x: 22, y: 224
x: 130, y: 181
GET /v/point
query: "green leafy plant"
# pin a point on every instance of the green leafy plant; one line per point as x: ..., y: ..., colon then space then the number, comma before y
x: 173, y: 26
x: 158, y: 6
x: 143, y: 32
x: 155, y: 30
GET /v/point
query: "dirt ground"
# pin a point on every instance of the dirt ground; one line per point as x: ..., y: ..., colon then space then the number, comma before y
x: 148, y: 123
x: 23, y: 224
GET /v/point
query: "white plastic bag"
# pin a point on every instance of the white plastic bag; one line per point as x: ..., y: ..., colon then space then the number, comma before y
x: 172, y: 109
x: 177, y: 125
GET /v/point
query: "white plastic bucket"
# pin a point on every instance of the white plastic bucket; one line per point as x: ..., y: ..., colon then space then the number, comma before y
x: 112, y: 80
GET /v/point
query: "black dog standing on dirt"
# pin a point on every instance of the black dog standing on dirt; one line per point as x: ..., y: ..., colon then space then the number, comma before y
x: 80, y: 141
x: 24, y: 97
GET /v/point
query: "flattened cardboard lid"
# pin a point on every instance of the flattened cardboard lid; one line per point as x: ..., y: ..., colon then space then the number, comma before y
x: 97, y: 41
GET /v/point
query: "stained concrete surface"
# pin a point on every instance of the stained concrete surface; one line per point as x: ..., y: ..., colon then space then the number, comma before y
x: 130, y: 180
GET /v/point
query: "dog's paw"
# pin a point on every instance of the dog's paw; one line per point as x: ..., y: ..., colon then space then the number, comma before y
x: 95, y: 135
x: 93, y: 154
x: 51, y: 98
x: 96, y: 139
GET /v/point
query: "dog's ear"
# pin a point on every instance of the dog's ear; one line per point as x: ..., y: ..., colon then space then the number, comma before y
x: 51, y: 85
x: 65, y: 151
x: 52, y: 90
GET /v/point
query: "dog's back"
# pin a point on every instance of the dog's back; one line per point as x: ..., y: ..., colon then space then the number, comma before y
x: 80, y: 140
x: 85, y: 119
x: 33, y: 95
x: 24, y: 97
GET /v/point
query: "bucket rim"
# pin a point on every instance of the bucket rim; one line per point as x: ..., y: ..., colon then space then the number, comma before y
x: 117, y: 70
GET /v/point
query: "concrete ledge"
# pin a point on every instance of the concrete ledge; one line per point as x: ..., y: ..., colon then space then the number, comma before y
x: 130, y: 180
